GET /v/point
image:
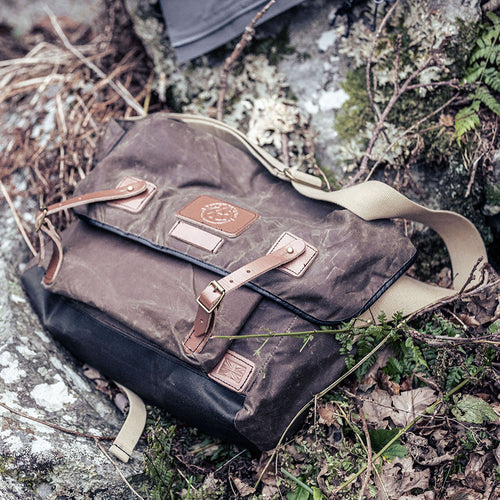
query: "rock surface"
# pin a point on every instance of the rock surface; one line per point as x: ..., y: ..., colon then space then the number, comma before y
x: 37, y: 377
x: 41, y: 380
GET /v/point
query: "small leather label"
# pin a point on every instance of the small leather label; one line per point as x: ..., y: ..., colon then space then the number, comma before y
x: 196, y: 236
x: 136, y: 203
x: 220, y: 215
x: 298, y: 266
x: 233, y: 371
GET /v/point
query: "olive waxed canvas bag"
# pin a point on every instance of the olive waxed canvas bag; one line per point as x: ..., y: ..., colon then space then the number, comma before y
x: 186, y: 233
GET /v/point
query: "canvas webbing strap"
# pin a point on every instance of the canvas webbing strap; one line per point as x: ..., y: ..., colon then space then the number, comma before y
x: 374, y: 200
x: 131, y: 431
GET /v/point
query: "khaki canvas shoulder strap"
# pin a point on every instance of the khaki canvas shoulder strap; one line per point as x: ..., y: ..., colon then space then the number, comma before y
x: 375, y: 200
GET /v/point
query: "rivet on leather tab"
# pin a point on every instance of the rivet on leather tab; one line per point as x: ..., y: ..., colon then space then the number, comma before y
x: 133, y: 204
x: 298, y: 266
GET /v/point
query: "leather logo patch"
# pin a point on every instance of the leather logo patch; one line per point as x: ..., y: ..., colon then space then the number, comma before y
x: 298, y: 266
x: 233, y: 371
x: 220, y: 215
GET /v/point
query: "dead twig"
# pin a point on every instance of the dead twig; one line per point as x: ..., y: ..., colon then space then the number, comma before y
x: 120, y: 473
x: 410, y: 129
x: 57, y: 427
x: 370, y: 58
x: 118, y: 87
x: 453, y: 298
x: 228, y: 64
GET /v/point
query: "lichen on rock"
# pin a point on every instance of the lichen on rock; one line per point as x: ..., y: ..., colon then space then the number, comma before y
x: 44, y: 382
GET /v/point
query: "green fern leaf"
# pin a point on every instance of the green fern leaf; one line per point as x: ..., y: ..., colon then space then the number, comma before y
x: 481, y: 53
x: 484, y: 95
x: 492, y: 78
x: 494, y: 18
x: 474, y: 73
x: 466, y: 120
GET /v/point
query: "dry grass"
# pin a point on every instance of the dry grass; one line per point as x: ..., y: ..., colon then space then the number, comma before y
x: 57, y: 98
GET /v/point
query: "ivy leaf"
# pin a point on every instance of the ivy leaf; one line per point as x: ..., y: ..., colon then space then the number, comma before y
x: 473, y: 410
x: 380, y: 437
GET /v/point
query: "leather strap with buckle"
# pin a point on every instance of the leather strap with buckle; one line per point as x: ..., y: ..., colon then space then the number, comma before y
x: 210, y: 299
x: 43, y: 224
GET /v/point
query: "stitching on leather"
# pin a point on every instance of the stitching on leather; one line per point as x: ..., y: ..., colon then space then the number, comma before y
x: 242, y: 384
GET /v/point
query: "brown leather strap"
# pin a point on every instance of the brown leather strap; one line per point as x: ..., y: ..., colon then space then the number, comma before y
x: 43, y: 224
x: 210, y: 299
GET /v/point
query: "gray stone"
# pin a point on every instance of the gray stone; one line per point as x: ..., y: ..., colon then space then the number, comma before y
x: 38, y: 378
x: 21, y: 14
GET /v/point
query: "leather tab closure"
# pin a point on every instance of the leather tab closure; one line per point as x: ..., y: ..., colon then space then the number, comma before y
x: 210, y: 299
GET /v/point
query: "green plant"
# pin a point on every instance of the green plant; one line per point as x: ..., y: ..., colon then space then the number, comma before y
x: 483, y: 74
x: 159, y: 462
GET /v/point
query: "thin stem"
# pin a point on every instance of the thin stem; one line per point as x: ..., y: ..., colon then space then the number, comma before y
x: 54, y: 426
x: 283, y: 334
x: 298, y: 481
x: 120, y: 473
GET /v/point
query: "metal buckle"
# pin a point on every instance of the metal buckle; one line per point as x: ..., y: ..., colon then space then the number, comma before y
x: 39, y: 224
x: 217, y: 288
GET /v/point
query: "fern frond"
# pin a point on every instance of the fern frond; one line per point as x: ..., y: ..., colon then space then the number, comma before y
x: 486, y: 53
x: 474, y: 73
x: 466, y: 120
x: 492, y: 78
x: 484, y: 95
x: 494, y: 18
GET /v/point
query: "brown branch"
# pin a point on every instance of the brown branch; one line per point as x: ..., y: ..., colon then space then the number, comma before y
x: 434, y: 340
x: 228, y: 64
x: 370, y: 58
x: 381, y: 122
x: 449, y: 300
x: 472, y: 176
x: 56, y: 427
x: 451, y: 83
x: 396, y: 62
x: 410, y: 129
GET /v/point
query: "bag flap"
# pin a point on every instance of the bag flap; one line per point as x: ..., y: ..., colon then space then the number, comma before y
x: 216, y: 207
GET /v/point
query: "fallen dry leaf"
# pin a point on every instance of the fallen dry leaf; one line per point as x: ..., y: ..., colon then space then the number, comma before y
x: 243, y: 488
x: 399, y: 477
x: 474, y: 475
x: 327, y: 413
x: 410, y: 404
x: 377, y: 407
x: 428, y: 495
x: 387, y: 384
x: 463, y: 494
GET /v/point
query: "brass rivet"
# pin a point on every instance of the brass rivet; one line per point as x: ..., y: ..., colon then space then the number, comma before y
x: 289, y: 250
x: 130, y: 188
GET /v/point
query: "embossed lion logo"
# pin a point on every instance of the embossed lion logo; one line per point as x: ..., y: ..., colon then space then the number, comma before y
x: 219, y: 213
